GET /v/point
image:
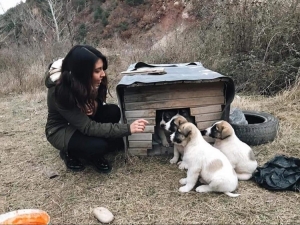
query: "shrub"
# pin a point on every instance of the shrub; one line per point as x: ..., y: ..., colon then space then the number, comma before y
x: 98, y: 13
x: 134, y: 2
x: 123, y: 26
x: 79, y: 5
x: 81, y: 33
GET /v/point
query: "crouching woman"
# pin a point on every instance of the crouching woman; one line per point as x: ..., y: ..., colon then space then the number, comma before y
x: 80, y: 124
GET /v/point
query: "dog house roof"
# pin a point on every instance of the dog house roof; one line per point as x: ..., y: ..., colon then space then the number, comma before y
x: 174, y: 73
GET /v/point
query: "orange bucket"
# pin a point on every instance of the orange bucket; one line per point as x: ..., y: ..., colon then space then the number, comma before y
x: 25, y: 216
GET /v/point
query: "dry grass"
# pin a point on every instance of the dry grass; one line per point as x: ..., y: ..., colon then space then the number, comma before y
x: 144, y: 191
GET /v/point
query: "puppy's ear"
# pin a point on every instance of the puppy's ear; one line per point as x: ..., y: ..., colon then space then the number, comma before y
x: 181, y: 120
x: 187, y: 130
x: 225, y: 131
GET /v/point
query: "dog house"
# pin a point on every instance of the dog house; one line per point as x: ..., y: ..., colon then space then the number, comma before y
x: 145, y: 89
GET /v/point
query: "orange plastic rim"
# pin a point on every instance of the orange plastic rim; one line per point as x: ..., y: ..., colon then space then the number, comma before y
x: 28, y: 217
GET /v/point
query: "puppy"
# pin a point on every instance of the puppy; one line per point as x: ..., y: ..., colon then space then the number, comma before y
x: 161, y: 119
x: 186, y: 114
x: 204, y: 161
x: 239, y: 153
x: 172, y: 126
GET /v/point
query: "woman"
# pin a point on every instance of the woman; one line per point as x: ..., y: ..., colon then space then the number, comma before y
x: 80, y: 124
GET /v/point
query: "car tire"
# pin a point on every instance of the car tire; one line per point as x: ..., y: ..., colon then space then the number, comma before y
x: 261, y: 128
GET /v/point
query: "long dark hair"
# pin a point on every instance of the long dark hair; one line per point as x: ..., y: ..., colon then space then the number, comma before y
x: 74, y: 87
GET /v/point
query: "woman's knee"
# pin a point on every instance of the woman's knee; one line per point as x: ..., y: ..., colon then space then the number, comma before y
x: 83, y: 146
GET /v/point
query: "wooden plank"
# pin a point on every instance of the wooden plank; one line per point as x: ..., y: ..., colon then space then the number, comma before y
x: 170, y: 104
x: 167, y: 95
x: 149, y: 129
x: 140, y: 137
x: 172, y: 87
x: 205, y: 124
x: 140, y: 144
x: 160, y: 150
x: 208, y: 117
x: 205, y: 109
x: 150, y: 120
x: 140, y: 113
x: 138, y: 151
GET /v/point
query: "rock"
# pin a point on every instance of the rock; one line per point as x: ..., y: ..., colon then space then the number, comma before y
x: 236, y: 116
x: 103, y: 214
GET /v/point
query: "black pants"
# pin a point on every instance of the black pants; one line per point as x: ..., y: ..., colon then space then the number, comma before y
x: 87, y: 147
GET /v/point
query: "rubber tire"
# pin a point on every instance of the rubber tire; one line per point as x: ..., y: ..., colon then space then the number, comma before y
x: 261, y: 128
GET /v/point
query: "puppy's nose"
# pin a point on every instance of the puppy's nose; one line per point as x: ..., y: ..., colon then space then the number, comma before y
x: 163, y: 125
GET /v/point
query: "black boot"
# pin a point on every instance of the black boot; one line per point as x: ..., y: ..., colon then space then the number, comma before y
x: 72, y: 163
x: 100, y: 164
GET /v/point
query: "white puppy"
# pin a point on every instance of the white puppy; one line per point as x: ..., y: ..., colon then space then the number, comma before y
x: 172, y: 126
x: 205, y: 161
x: 239, y: 153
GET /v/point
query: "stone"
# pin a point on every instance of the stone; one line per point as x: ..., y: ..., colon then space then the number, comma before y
x: 103, y: 214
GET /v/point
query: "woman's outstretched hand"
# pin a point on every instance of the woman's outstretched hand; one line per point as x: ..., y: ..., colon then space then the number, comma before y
x: 138, y: 126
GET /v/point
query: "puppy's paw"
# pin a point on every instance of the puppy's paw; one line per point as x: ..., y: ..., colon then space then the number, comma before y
x: 184, y: 189
x: 183, y: 181
x: 173, y: 160
x: 182, y: 166
x: 203, y: 188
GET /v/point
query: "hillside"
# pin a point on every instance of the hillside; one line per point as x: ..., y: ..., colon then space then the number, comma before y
x: 94, y: 22
x: 255, y: 42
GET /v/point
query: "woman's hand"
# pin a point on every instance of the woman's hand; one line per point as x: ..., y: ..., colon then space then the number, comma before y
x: 138, y: 126
x: 91, y: 112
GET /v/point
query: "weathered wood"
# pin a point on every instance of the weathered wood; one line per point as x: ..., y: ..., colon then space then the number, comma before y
x: 169, y: 104
x: 208, y: 117
x: 205, y: 124
x: 160, y: 150
x: 138, y: 151
x: 149, y: 129
x: 172, y: 87
x: 181, y: 93
x: 140, y: 113
x: 140, y: 144
x: 150, y: 120
x: 140, y: 137
x: 206, y: 109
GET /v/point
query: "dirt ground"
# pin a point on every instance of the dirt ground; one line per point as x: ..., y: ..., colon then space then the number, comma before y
x: 143, y: 191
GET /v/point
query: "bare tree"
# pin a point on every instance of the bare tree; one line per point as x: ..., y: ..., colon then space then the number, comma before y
x: 56, y: 8
x: 62, y: 15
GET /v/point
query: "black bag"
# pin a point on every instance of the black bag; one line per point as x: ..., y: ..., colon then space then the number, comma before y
x: 280, y: 173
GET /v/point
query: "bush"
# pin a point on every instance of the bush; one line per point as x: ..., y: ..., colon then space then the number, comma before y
x: 81, y: 34
x: 98, y: 13
x: 79, y: 5
x: 134, y: 2
x: 123, y: 26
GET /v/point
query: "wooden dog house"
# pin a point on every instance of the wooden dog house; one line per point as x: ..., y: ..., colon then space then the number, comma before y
x: 146, y: 89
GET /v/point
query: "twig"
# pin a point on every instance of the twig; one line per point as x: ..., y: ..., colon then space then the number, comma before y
x: 269, y: 46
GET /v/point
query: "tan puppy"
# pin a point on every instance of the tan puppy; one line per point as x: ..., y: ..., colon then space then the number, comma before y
x: 204, y: 161
x: 172, y: 126
x: 239, y: 153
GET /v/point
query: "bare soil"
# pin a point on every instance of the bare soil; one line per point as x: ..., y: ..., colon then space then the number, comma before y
x: 142, y: 191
